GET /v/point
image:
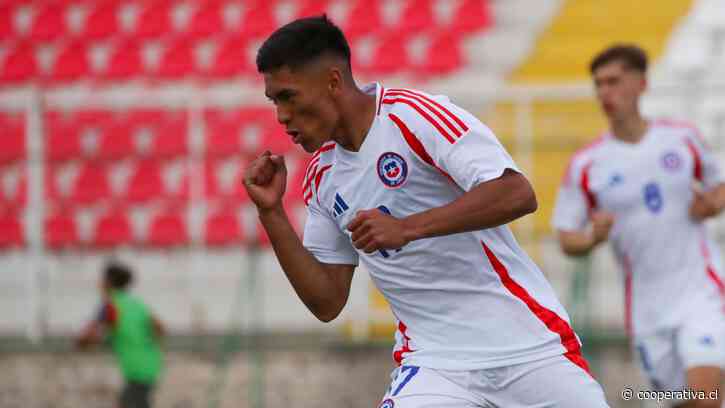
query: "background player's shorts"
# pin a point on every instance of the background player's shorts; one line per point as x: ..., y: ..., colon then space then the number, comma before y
x: 665, y: 356
x: 136, y: 395
x: 552, y: 382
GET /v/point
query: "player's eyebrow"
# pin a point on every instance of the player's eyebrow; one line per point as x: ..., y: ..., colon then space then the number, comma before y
x: 282, y: 94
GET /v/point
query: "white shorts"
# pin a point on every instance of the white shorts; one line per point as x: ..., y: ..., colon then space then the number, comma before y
x: 549, y: 383
x: 666, y: 356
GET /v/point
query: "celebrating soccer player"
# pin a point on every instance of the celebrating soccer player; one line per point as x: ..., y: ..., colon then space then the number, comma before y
x: 419, y: 191
x: 647, y: 186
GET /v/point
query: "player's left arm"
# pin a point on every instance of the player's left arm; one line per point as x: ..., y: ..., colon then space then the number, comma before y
x: 495, y: 192
x: 709, y: 192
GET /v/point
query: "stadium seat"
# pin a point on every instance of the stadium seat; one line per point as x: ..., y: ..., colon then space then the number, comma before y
x: 416, y: 17
x: 176, y: 182
x: 19, y: 64
x: 222, y: 228
x: 124, y: 62
x: 112, y: 229
x: 364, y: 18
x: 117, y: 142
x: 167, y: 229
x: 471, y: 16
x: 12, y: 139
x: 224, y: 180
x: 312, y: 8
x: 177, y: 61
x: 6, y: 23
x: 390, y: 56
x: 62, y: 140
x: 154, y: 20
x: 61, y: 230
x: 49, y: 22
x: 11, y: 230
x: 443, y: 56
x: 100, y: 117
x: 145, y: 116
x: 145, y: 183
x: 275, y: 139
x: 206, y: 20
x: 13, y: 186
x: 222, y: 132
x: 171, y: 136
x: 259, y: 19
x: 71, y: 63
x: 231, y: 59
x: 102, y: 20
x: 91, y: 185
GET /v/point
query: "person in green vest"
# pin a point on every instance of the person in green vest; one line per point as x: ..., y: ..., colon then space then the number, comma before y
x: 134, y: 334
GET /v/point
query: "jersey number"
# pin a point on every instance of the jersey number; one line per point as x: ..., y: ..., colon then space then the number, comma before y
x: 653, y: 197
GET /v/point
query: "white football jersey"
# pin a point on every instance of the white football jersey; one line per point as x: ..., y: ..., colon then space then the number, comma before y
x: 670, y: 265
x: 464, y: 301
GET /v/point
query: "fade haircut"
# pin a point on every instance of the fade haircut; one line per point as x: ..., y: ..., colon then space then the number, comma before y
x: 632, y: 56
x: 301, y: 42
x: 117, y: 275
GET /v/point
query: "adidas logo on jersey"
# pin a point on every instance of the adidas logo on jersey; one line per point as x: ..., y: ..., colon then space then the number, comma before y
x: 340, y: 206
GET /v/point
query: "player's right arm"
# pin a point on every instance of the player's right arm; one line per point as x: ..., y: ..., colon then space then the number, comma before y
x: 322, y: 287
x: 580, y: 228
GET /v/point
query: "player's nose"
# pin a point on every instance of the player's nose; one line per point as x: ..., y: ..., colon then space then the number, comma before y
x: 283, y: 116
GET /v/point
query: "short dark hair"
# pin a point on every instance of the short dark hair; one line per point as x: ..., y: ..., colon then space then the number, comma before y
x: 631, y: 55
x: 117, y: 275
x: 300, y: 42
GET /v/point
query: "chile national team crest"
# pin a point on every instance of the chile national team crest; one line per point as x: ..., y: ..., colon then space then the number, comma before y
x: 388, y: 403
x: 392, y: 169
x: 671, y: 161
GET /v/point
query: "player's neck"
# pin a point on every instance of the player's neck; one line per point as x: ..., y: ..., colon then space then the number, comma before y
x: 358, y: 115
x: 630, y: 129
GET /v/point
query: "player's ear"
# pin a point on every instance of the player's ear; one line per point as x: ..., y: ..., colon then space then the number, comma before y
x: 334, y: 80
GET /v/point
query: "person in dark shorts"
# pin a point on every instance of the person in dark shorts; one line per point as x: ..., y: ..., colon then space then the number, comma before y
x: 133, y: 332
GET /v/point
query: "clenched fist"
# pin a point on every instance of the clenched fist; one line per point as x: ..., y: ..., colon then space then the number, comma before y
x: 265, y: 180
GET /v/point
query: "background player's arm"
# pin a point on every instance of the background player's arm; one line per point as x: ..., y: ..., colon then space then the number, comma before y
x: 323, y: 288
x: 581, y: 242
x: 706, y: 204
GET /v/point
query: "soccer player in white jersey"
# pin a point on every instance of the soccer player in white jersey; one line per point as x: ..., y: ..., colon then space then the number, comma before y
x: 647, y: 186
x: 419, y: 191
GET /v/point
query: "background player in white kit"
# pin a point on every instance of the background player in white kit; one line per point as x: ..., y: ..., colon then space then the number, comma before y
x: 646, y: 186
x: 419, y: 191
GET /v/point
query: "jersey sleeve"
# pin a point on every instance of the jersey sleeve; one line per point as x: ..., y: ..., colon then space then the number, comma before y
x: 571, y: 209
x: 449, y: 138
x: 707, y: 170
x: 324, y: 239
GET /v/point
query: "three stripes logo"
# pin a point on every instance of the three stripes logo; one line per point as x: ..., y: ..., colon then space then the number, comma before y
x: 340, y: 206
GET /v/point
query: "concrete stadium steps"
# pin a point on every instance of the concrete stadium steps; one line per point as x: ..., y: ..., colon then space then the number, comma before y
x: 583, y: 27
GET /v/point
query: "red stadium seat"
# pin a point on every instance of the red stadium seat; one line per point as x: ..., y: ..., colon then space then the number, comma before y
x: 11, y: 231
x: 145, y: 116
x: 416, y: 17
x: 71, y: 64
x: 19, y: 64
x: 275, y: 139
x: 222, y: 133
x: 13, y: 186
x: 259, y: 19
x: 223, y: 228
x: 12, y: 138
x: 231, y: 59
x: 224, y: 180
x: 311, y: 8
x: 390, y: 56
x: 94, y: 116
x: 363, y: 18
x: 444, y: 54
x: 113, y: 229
x: 91, y: 185
x: 471, y: 16
x: 117, y: 142
x: 125, y: 62
x: 102, y: 21
x: 49, y: 23
x: 171, y: 136
x: 6, y: 23
x: 61, y: 231
x: 145, y: 183
x: 177, y: 61
x: 176, y: 182
x: 155, y: 20
x: 207, y: 19
x: 63, y: 140
x: 168, y: 229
